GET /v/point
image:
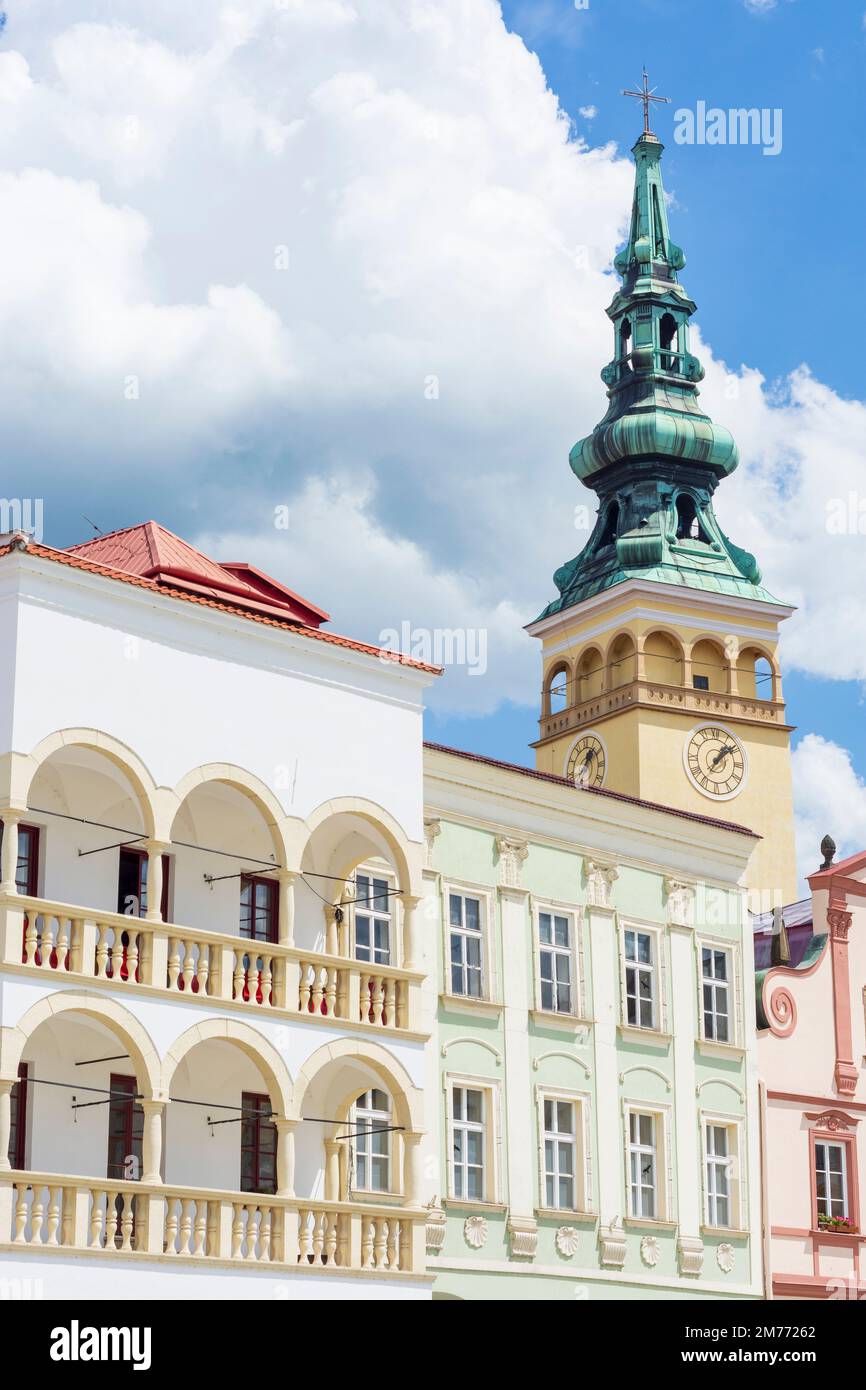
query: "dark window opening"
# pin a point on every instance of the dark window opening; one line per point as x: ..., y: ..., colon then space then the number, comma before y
x: 625, y: 338
x: 132, y: 884
x: 669, y: 343
x: 611, y: 527
x: 125, y: 1130
x: 18, y: 1118
x: 258, y: 1144
x: 688, y: 522
x: 27, y: 867
x: 701, y: 682
x: 259, y: 898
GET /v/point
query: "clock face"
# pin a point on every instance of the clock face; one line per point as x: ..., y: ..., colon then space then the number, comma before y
x: 587, y: 762
x: 715, y: 761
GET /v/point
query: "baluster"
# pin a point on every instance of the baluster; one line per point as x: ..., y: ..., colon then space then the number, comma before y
x: 188, y: 966
x: 368, y: 1231
x: 304, y: 996
x: 67, y: 1223
x: 203, y: 969
x: 213, y: 1228
x: 319, y: 1220
x: 37, y: 1214
x: 31, y: 938
x: 127, y: 1221
x: 377, y: 998
x: 331, y: 992
x: 185, y: 1226
x: 62, y: 947
x: 393, y: 1244
x: 267, y: 982
x: 389, y: 1017
x: 237, y: 1230
x: 132, y: 957
x: 112, y: 1219
x: 46, y: 942
x: 102, y: 952
x: 253, y: 1218
x: 201, y: 1228
x: 318, y: 991
x: 239, y: 978
x: 381, y: 1245
x: 54, y: 1199
x: 331, y: 1240
x: 145, y: 957
x: 366, y: 985
x: 96, y: 1219
x: 21, y: 1213
x: 341, y: 1224
x: 174, y: 962
x: 305, y: 1244
x: 172, y: 1222
x: 265, y: 1252
x: 342, y: 1009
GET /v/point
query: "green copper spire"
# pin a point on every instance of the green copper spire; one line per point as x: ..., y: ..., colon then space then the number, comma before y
x: 656, y: 458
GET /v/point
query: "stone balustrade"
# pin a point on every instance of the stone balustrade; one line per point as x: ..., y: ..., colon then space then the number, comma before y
x: 134, y: 953
x: 39, y: 1211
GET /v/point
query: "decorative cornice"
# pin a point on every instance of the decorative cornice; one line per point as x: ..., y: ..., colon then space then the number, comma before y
x: 832, y: 1119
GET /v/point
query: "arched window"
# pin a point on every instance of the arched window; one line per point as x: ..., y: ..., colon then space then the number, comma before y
x: 559, y: 690
x: 688, y: 522
x: 763, y: 679
x: 371, y: 1142
x: 625, y: 338
x: 755, y: 675
x: 709, y: 666
x: 663, y: 659
x: 611, y: 526
x: 590, y: 674
x: 622, y: 662
x: 669, y: 343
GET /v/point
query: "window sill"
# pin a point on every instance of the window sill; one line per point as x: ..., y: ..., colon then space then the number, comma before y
x: 643, y: 1223
x: 565, y: 1217
x: 466, y: 1004
x: 708, y: 1048
x: 729, y: 1232
x: 837, y: 1237
x: 570, y: 1023
x: 462, y: 1204
x: 629, y: 1033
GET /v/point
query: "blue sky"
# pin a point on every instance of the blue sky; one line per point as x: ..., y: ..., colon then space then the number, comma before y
x: 773, y: 243
x: 347, y: 260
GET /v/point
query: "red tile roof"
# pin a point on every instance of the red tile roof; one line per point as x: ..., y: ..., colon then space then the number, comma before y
x: 153, y: 552
x: 594, y: 791
x: 257, y: 613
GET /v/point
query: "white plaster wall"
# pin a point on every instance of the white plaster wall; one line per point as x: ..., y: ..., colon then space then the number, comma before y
x: 119, y: 1280
x: 184, y: 686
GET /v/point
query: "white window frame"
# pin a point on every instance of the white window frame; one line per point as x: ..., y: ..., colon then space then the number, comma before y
x: 369, y: 1118
x: 712, y: 943
x: 490, y: 1091
x: 388, y: 910
x: 737, y: 1213
x: 580, y: 1101
x: 659, y: 974
x: 846, y: 1198
x: 574, y: 951
x: 488, y: 965
x: 664, y: 1178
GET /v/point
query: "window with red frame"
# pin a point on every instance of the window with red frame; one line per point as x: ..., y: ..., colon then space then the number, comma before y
x: 132, y: 883
x: 18, y: 1125
x: 125, y: 1130
x: 258, y: 1144
x: 27, y: 868
x: 258, y: 908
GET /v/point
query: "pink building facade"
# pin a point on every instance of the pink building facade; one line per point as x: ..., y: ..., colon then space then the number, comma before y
x: 811, y: 1013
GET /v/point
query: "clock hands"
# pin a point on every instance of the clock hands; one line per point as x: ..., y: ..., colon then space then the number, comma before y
x: 714, y: 762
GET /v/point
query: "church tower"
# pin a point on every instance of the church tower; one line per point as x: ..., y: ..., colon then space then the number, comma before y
x: 661, y: 677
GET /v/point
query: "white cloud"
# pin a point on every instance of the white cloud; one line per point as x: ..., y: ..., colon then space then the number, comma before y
x: 430, y: 352
x: 589, y: 113
x: 829, y: 798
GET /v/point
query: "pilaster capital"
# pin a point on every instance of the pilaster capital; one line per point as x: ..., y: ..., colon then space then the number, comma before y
x: 680, y: 895
x: 839, y: 922
x: 600, y: 875
x: 512, y: 852
x: 432, y: 829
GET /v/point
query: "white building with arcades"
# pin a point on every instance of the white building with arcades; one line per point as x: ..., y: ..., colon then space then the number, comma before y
x: 214, y: 1025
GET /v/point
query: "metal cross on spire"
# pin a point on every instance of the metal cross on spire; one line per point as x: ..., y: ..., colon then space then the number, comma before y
x: 646, y: 96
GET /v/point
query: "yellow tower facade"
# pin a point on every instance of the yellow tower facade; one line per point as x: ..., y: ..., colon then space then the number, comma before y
x: 661, y: 676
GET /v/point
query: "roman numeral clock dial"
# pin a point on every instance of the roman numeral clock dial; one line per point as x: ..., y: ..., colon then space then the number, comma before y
x: 715, y: 761
x: 587, y: 762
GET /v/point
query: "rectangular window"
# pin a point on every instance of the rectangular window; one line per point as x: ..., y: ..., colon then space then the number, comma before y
x: 718, y: 1159
x: 27, y: 869
x: 259, y: 908
x: 372, y: 1142
x: 132, y: 883
x: 469, y: 1140
x: 372, y: 919
x: 831, y: 1179
x: 18, y: 1119
x: 716, y: 986
x: 701, y: 682
x: 642, y: 1165
x: 555, y: 962
x: 560, y: 1154
x: 125, y: 1130
x: 466, y: 945
x: 258, y: 1144
x: 640, y: 979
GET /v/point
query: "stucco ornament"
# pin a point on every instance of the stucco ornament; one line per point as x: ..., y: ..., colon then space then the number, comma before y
x: 566, y: 1241
x: 650, y: 1251
x: 475, y: 1231
x: 681, y: 902
x: 436, y: 1224
x: 725, y: 1257
x: 600, y: 878
x: 512, y: 853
